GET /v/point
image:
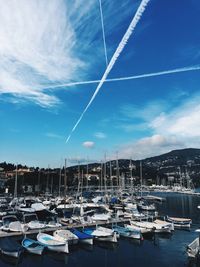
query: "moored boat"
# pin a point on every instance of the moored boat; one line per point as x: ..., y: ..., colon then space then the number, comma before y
x: 102, y: 235
x: 129, y: 233
x: 33, y: 246
x: 183, y: 223
x: 193, y: 249
x: 10, y: 247
x: 151, y: 226
x: 52, y: 243
x: 83, y: 237
x: 66, y: 236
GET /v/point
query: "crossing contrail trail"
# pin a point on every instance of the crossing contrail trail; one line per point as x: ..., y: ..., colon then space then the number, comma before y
x: 114, y: 58
x: 139, y: 76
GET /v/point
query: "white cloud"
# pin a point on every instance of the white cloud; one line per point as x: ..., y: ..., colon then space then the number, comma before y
x: 50, y: 42
x: 88, y: 144
x: 183, y: 121
x: 100, y: 135
x: 150, y: 146
x: 179, y: 128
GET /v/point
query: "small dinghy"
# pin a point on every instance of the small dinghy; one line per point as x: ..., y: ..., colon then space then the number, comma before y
x: 10, y: 247
x: 83, y: 237
x: 66, y: 235
x: 52, y: 243
x: 32, y: 246
x: 129, y: 233
x: 102, y: 235
x: 181, y: 223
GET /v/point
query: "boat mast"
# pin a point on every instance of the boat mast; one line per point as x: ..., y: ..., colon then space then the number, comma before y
x: 60, y: 175
x: 131, y: 174
x: 87, y: 174
x: 51, y: 183
x: 65, y: 183
x: 141, y: 176
x: 38, y: 181
x: 117, y: 169
x: 111, y: 180
x: 47, y: 184
x: 15, y: 189
x: 105, y: 180
x: 101, y: 181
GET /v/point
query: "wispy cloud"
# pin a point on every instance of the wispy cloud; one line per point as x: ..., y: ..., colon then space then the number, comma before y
x: 45, y: 42
x: 53, y: 135
x: 100, y: 135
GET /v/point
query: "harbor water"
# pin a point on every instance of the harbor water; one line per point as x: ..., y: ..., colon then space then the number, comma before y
x: 166, y: 250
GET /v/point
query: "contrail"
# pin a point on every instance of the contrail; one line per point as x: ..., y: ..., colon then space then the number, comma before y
x: 139, y: 76
x: 103, y: 33
x: 114, y: 58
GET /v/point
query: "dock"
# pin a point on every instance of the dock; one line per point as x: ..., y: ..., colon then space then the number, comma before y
x: 65, y: 227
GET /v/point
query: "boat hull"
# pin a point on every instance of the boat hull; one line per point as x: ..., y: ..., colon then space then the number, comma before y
x: 59, y: 248
x: 14, y: 254
x: 52, y: 243
x: 88, y: 241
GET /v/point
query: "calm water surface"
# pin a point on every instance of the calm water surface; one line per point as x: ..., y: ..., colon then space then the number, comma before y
x: 164, y: 250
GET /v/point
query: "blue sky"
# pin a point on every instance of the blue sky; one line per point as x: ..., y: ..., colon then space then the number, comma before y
x: 44, y: 44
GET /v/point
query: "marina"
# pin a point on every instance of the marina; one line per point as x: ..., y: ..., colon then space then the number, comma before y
x: 173, y: 241
x: 99, y: 133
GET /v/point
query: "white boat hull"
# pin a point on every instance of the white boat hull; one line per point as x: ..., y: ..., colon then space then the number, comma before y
x: 35, y: 251
x: 111, y: 238
x: 14, y: 254
x: 52, y: 243
x: 88, y: 241
x: 59, y: 248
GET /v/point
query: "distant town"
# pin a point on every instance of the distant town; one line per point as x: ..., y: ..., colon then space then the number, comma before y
x: 176, y: 167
